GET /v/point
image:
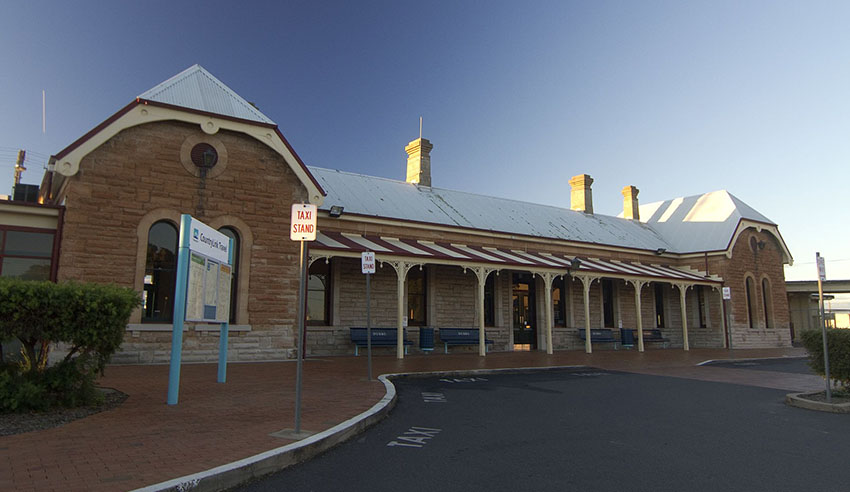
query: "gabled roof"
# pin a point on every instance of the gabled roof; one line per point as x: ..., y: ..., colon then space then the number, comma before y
x: 701, y: 222
x: 387, y: 198
x: 192, y: 96
x: 195, y: 88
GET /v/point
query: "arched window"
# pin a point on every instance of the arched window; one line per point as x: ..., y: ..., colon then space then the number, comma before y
x: 319, y: 293
x: 234, y: 278
x: 768, y: 305
x: 160, y: 273
x: 751, y: 297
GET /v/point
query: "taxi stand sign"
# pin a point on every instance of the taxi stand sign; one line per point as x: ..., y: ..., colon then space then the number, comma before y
x: 367, y: 266
x: 302, y: 228
x: 202, y: 291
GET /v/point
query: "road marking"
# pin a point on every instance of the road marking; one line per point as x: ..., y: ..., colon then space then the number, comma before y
x: 462, y: 380
x: 590, y: 374
x: 415, y: 437
x: 433, y: 397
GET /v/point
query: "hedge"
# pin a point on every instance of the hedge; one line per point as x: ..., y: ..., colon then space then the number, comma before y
x: 90, y: 318
x: 839, y: 353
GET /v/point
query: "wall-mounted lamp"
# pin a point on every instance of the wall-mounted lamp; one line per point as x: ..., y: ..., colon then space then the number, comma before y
x: 762, y: 244
x: 660, y: 251
x: 575, y: 263
x: 336, y: 211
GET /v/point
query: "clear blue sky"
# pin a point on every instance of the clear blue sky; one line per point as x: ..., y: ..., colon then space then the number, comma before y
x: 677, y: 98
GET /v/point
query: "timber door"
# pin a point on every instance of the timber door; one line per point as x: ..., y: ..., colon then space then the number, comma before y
x: 524, y: 319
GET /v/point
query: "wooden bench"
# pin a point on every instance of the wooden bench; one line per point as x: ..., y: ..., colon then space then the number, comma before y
x: 381, y: 337
x: 599, y: 335
x: 461, y: 336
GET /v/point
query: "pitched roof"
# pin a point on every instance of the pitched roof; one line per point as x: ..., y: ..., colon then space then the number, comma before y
x: 699, y: 223
x: 195, y: 88
x: 387, y: 198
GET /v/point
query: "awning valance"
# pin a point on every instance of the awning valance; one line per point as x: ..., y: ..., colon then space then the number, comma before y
x: 453, y: 253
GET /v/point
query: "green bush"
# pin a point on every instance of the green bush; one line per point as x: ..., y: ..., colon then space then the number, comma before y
x: 838, y: 341
x: 89, y: 318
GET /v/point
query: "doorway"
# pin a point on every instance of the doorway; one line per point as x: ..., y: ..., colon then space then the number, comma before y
x: 524, y: 319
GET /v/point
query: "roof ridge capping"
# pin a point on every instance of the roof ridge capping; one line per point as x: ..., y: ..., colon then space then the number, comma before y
x: 196, y: 88
x: 434, y: 190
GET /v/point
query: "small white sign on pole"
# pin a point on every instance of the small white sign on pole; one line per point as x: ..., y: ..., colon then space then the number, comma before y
x: 367, y: 262
x: 727, y: 293
x: 821, y: 268
x: 303, y: 223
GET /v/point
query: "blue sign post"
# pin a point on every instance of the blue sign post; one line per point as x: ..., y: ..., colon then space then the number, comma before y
x: 202, y: 291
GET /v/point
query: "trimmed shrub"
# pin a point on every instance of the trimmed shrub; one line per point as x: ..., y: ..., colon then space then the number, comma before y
x: 838, y: 341
x: 89, y: 318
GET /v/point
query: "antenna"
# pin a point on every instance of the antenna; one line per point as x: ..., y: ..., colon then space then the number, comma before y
x: 420, y: 127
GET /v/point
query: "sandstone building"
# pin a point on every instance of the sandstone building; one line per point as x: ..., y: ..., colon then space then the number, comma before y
x: 534, y: 276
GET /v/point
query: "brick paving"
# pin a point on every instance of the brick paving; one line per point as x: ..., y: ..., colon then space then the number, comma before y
x: 144, y: 441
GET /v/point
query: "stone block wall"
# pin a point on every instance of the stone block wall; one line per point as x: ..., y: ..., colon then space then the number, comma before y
x: 138, y: 176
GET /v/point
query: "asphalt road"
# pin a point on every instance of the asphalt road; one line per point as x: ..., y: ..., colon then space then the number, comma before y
x: 583, y: 430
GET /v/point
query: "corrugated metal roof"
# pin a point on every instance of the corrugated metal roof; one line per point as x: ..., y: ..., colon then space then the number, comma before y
x: 434, y: 252
x: 701, y: 222
x: 381, y: 197
x: 195, y: 88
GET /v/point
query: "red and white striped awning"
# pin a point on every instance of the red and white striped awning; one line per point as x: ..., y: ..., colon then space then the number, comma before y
x: 434, y: 252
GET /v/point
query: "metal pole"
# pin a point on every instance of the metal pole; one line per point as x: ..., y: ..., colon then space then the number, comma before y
x: 302, y: 263
x: 179, y: 310
x: 728, y: 323
x: 225, y: 327
x: 369, y: 322
x: 818, y: 260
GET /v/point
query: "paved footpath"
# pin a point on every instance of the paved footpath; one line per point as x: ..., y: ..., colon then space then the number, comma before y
x: 144, y: 441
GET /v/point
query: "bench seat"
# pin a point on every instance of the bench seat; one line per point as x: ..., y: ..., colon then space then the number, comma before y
x: 381, y: 337
x: 652, y: 335
x: 461, y: 336
x: 599, y: 335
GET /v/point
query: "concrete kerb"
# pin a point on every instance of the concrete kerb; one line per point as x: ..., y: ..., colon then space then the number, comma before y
x: 799, y: 400
x: 750, y: 359
x: 232, y: 474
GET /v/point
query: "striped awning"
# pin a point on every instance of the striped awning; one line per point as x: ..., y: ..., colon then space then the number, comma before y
x: 437, y: 252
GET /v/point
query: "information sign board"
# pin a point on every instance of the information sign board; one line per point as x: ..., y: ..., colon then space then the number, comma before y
x: 821, y: 268
x: 208, y: 292
x: 303, y: 222
x: 727, y: 293
x: 367, y: 262
x: 209, y: 242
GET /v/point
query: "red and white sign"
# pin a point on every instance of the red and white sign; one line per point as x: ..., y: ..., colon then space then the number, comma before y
x: 303, y: 223
x: 367, y: 262
x: 727, y: 293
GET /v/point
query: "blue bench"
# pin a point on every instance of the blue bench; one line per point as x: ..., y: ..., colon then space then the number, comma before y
x: 652, y: 335
x: 381, y: 337
x: 461, y: 336
x: 599, y: 335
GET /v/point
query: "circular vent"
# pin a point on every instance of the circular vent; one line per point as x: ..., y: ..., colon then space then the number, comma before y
x: 204, y: 156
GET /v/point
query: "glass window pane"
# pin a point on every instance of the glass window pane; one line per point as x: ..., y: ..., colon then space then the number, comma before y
x: 160, y: 273
x: 26, y: 268
x: 21, y: 243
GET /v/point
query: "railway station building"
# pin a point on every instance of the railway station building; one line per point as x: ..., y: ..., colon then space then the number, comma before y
x: 528, y: 276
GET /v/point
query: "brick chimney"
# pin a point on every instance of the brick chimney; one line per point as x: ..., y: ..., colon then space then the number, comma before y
x: 581, y: 198
x: 419, y: 161
x: 630, y: 203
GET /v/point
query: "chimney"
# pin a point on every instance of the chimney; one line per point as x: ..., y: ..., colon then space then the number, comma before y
x: 419, y: 161
x: 581, y: 198
x: 630, y: 203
